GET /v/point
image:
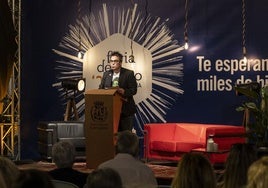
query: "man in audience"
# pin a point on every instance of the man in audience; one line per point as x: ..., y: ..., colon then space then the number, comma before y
x: 63, y: 155
x: 104, y: 178
x: 133, y: 172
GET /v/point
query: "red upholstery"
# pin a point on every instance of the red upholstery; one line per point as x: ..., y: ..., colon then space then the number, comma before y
x: 169, y: 145
x: 169, y: 141
x: 187, y: 146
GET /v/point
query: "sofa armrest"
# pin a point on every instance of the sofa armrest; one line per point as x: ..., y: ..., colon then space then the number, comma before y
x: 226, y: 131
x: 157, y: 131
x: 226, y: 136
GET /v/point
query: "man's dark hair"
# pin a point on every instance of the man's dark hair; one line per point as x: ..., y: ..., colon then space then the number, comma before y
x: 104, y: 178
x: 63, y: 154
x: 127, y: 142
x: 117, y: 54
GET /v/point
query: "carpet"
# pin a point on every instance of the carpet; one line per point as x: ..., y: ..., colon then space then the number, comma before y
x: 160, y: 171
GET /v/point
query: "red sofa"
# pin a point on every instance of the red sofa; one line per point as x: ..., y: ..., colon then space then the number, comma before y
x: 169, y: 141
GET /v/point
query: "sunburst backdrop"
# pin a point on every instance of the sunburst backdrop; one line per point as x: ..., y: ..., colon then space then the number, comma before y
x: 149, y: 31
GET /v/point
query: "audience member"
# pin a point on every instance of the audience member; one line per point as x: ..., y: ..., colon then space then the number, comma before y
x: 194, y: 170
x: 9, y: 170
x: 2, y: 181
x: 241, y: 156
x: 258, y: 173
x: 104, y: 178
x: 132, y: 171
x: 33, y: 178
x: 63, y: 155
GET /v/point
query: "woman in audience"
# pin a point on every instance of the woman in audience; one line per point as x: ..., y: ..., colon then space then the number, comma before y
x: 258, y: 174
x: 104, y: 178
x: 241, y: 156
x: 194, y: 170
x: 9, y: 170
x: 32, y: 178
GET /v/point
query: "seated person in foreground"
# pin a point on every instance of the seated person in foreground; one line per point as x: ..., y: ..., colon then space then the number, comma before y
x: 194, y: 171
x: 241, y: 156
x: 9, y: 170
x: 63, y: 155
x: 258, y: 173
x: 133, y: 172
x: 32, y: 178
x: 2, y: 181
x: 104, y: 178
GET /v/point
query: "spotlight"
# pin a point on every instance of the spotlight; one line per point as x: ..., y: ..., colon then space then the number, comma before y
x: 74, y: 84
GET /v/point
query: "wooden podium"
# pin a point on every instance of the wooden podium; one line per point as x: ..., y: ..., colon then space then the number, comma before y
x: 102, y: 114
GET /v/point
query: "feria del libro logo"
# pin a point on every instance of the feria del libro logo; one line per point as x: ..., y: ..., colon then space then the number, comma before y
x: 157, y: 61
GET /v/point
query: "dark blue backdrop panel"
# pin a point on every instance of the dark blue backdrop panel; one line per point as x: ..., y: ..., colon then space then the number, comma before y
x: 214, y: 26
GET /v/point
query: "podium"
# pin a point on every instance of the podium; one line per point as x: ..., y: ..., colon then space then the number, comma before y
x: 102, y: 115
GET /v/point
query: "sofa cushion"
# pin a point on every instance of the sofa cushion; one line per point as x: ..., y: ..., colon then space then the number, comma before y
x: 160, y: 131
x: 189, y: 133
x: 187, y: 146
x: 169, y: 146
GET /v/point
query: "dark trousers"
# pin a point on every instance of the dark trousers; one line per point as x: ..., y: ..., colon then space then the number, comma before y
x: 126, y: 123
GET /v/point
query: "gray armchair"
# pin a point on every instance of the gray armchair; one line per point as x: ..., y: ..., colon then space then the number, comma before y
x: 54, y: 131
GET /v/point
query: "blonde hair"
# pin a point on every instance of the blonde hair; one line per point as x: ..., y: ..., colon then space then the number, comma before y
x: 258, y: 174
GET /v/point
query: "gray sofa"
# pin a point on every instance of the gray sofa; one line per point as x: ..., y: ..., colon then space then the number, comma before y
x: 54, y: 131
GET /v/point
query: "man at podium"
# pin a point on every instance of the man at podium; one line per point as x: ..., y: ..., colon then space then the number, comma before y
x: 124, y: 80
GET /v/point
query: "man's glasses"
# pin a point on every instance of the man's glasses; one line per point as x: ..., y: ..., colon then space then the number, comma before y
x: 114, y: 61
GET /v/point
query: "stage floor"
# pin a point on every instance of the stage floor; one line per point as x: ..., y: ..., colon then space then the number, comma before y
x: 160, y: 170
x: 164, y: 171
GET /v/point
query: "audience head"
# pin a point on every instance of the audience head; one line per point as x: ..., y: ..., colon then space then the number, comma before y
x: 127, y: 142
x: 63, y: 154
x: 32, y: 178
x: 194, y: 170
x: 2, y: 181
x: 104, y: 178
x: 241, y: 156
x: 9, y: 170
x: 258, y: 174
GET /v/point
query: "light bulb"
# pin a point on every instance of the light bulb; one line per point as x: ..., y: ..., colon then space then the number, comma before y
x: 186, y: 46
x: 80, y: 55
x: 245, y: 58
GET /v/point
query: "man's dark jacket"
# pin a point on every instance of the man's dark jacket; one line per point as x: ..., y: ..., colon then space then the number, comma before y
x: 128, y: 82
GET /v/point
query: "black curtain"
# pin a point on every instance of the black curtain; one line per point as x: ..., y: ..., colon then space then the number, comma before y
x: 8, y: 47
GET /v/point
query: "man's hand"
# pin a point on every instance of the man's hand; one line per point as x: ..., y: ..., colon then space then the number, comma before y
x: 121, y: 91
